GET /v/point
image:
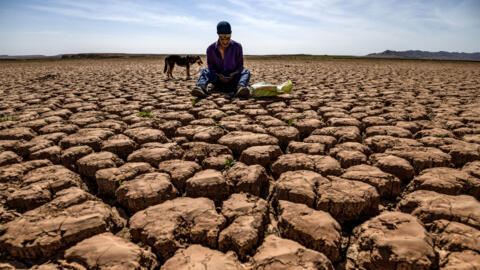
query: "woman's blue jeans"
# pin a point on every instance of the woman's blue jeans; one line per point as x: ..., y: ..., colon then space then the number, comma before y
x: 241, y: 79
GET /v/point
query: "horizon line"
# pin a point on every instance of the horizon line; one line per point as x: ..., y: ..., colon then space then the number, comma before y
x: 276, y: 54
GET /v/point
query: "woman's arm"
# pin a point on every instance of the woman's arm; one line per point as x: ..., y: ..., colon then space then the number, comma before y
x: 210, y: 61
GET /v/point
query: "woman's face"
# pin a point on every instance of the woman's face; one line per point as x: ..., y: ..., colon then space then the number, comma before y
x: 224, y: 39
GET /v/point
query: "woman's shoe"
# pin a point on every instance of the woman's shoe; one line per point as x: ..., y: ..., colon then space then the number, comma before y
x: 199, y: 91
x: 243, y: 92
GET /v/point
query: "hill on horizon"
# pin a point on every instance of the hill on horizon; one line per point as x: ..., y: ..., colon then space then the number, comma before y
x: 417, y: 54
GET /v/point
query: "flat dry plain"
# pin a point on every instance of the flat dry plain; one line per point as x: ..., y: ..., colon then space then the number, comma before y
x: 367, y: 164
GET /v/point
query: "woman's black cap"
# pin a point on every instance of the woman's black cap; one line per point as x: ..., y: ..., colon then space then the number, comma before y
x: 223, y: 27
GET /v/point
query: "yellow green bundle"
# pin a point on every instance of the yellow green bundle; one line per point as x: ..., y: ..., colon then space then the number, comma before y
x: 264, y: 89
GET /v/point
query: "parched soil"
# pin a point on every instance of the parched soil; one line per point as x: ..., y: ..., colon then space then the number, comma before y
x: 366, y: 164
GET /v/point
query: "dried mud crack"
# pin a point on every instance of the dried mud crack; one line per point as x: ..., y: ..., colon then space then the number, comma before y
x: 367, y: 164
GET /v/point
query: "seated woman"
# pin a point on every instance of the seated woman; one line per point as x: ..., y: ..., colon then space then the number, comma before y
x: 225, y: 70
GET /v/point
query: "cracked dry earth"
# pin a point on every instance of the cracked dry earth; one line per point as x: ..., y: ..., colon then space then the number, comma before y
x: 367, y: 164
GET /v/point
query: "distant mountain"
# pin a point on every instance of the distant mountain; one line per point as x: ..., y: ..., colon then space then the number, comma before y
x: 416, y: 54
x: 107, y: 55
x: 24, y: 57
x: 79, y: 56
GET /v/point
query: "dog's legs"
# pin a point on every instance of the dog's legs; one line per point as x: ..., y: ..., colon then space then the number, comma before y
x: 168, y: 71
x: 188, y: 71
x: 171, y: 70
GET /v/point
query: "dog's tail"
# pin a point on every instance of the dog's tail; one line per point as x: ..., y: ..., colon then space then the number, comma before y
x: 165, y: 67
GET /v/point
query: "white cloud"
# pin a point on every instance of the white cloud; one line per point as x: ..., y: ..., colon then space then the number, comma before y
x: 124, y: 12
x: 254, y: 19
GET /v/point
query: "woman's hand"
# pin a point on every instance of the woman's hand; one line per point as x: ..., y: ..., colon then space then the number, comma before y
x: 223, y: 79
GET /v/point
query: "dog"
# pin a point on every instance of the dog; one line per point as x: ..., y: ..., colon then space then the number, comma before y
x: 183, y: 61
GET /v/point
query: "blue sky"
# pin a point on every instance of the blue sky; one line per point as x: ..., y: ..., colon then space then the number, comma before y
x: 335, y: 27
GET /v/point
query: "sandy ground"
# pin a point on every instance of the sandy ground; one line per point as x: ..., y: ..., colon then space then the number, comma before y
x: 367, y: 164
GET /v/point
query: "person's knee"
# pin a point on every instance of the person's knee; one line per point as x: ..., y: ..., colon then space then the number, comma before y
x: 245, y: 72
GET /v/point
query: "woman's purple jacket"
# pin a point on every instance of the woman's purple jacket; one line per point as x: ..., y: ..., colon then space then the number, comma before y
x: 233, y: 58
